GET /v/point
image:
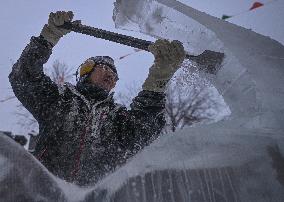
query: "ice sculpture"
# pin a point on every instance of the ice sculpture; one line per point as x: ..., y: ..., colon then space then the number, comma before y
x: 251, y: 79
x: 237, y: 159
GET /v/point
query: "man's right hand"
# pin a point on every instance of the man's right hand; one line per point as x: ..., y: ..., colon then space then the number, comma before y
x: 51, y: 32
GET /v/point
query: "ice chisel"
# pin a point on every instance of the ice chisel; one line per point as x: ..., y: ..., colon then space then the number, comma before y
x: 209, y: 61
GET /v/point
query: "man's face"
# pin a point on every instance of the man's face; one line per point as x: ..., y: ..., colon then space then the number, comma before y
x: 104, y: 77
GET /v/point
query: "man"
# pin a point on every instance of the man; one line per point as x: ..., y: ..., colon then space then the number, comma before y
x: 83, y: 133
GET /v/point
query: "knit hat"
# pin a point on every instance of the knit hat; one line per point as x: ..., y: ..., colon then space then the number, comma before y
x: 89, y: 65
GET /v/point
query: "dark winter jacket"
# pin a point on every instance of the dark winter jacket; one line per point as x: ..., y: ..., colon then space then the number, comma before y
x: 83, y: 133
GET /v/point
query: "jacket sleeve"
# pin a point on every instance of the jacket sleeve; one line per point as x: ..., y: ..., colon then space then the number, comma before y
x: 36, y: 91
x: 143, y: 123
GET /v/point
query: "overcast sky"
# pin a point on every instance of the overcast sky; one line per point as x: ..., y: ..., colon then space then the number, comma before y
x: 19, y: 20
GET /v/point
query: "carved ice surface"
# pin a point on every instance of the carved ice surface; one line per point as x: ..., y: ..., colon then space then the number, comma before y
x: 251, y: 78
x: 155, y: 19
x: 245, y: 151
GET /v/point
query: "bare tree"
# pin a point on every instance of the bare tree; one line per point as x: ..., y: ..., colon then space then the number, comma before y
x: 190, y: 98
x: 59, y: 73
x: 185, y: 107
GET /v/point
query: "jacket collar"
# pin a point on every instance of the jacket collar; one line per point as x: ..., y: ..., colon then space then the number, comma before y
x: 91, y: 92
x: 97, y: 98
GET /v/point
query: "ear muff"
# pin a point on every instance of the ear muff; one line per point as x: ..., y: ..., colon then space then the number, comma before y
x: 86, y: 69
